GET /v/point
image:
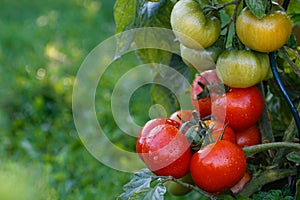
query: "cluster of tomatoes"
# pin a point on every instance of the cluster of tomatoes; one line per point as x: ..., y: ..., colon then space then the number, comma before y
x: 206, y: 143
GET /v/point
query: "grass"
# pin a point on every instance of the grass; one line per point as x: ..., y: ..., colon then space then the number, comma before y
x: 42, y: 45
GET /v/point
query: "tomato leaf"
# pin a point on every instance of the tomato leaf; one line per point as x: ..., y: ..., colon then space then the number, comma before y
x: 294, y: 157
x: 257, y: 7
x: 156, y: 193
x: 124, y: 15
x: 141, y: 180
x: 155, y: 14
x: 272, y: 194
x: 172, y: 81
x: 130, y: 14
x: 294, y: 11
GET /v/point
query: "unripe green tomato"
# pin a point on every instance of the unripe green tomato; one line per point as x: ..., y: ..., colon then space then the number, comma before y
x: 192, y: 28
x: 267, y: 34
x: 177, y: 189
x: 202, y: 59
x: 199, y: 59
x: 242, y: 68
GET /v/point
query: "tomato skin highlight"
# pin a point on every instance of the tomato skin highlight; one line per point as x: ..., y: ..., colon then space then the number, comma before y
x: 167, y: 152
x: 218, y: 166
x: 240, y: 107
x: 146, y: 129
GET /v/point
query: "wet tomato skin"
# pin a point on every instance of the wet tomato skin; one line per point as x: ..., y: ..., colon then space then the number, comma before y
x: 146, y: 129
x: 167, y: 151
x: 240, y: 107
x: 248, y: 137
x: 218, y: 166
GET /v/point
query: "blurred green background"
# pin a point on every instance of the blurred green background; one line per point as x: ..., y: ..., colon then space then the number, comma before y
x: 42, y: 45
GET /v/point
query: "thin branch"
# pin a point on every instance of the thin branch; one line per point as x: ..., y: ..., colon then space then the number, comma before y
x: 290, y: 62
x: 187, y: 185
x: 249, y: 150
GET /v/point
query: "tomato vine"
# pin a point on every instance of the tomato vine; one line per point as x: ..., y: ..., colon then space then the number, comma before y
x: 281, y: 160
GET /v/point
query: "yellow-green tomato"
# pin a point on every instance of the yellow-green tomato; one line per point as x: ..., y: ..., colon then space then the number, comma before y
x: 242, y: 68
x: 266, y: 34
x: 192, y: 28
x: 177, y: 189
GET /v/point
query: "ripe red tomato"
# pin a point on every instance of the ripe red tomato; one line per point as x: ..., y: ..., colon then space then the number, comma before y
x: 146, y: 129
x: 167, y: 151
x: 182, y: 115
x: 217, y: 130
x: 248, y: 137
x: 203, y: 105
x: 240, y: 107
x: 218, y: 166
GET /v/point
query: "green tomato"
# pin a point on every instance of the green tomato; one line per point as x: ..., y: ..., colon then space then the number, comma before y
x: 177, y: 189
x: 202, y: 59
x: 242, y: 68
x: 192, y: 27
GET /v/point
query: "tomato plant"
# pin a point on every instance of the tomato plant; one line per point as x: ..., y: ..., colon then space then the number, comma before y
x: 234, y: 88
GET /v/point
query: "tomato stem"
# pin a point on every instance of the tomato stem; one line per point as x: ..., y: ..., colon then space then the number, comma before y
x: 265, y: 177
x: 187, y: 185
x: 288, y: 59
x: 223, y: 131
x: 222, y: 6
x: 249, y: 150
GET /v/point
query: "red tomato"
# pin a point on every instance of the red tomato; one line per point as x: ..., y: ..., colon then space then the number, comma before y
x: 240, y: 107
x: 146, y: 129
x: 182, y: 115
x: 218, y: 166
x: 167, y: 152
x: 248, y: 137
x: 217, y: 130
x: 203, y: 105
